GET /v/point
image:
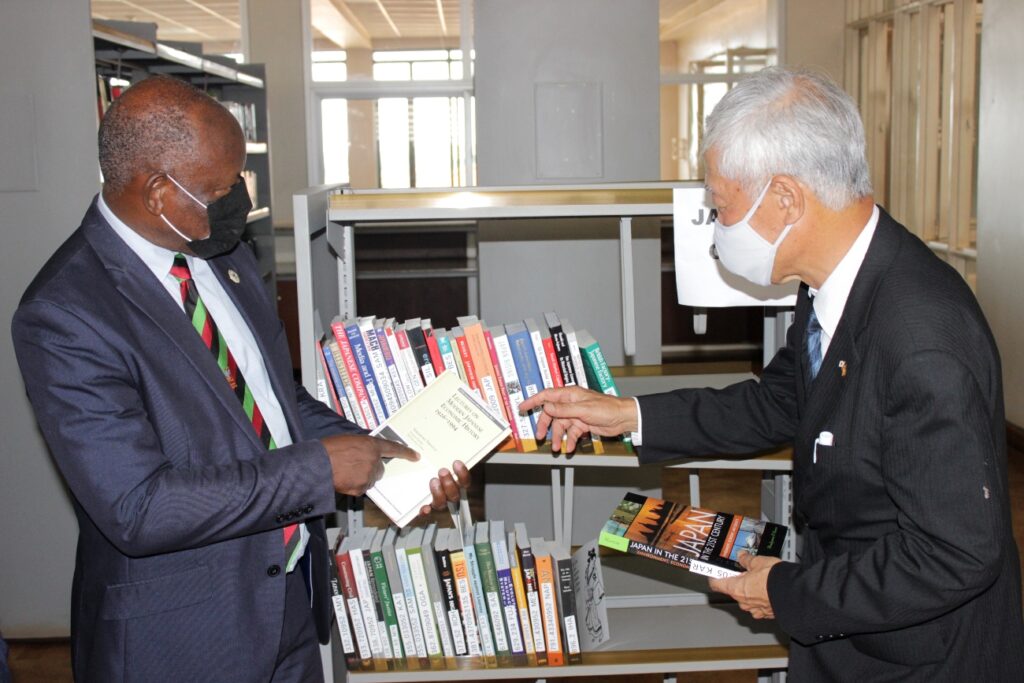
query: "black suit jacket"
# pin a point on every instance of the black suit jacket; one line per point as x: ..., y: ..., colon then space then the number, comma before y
x: 179, y: 569
x: 908, y: 570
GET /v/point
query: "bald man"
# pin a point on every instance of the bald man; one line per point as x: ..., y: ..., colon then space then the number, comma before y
x: 160, y: 377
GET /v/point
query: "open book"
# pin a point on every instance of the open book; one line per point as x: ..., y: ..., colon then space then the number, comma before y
x: 705, y: 541
x: 445, y: 422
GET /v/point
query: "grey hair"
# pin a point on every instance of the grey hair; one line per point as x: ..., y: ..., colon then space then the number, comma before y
x: 792, y: 122
x: 148, y: 129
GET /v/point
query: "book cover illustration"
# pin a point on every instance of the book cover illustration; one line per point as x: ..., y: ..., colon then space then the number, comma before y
x: 682, y: 535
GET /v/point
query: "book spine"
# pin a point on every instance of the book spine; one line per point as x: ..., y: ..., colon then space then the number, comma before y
x: 599, y: 376
x: 366, y: 597
x: 492, y: 595
x: 401, y: 610
x: 397, y: 389
x: 412, y: 370
x: 713, y: 570
x: 480, y: 603
x: 466, y: 609
x: 364, y: 363
x: 529, y: 568
x: 378, y: 370
x: 348, y: 645
x: 387, y: 604
x: 378, y: 606
x: 567, y: 605
x: 325, y: 382
x: 400, y: 363
x: 484, y: 369
x: 524, y: 613
x: 423, y: 604
x: 565, y: 366
x: 351, y: 593
x: 540, y: 357
x: 549, y: 611
x: 450, y: 600
x: 424, y: 364
x: 507, y: 593
x: 435, y: 353
x: 467, y: 363
x: 411, y: 605
x: 530, y: 380
x: 553, y: 363
x: 351, y: 369
x: 522, y: 424
x: 444, y: 346
x: 332, y: 360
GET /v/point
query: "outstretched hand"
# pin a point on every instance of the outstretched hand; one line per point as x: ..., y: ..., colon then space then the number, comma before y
x: 445, y: 487
x: 571, y: 412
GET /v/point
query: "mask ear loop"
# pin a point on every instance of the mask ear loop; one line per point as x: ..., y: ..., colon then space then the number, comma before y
x: 182, y: 188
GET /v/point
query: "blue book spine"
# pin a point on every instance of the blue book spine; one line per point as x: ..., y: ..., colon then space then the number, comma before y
x: 389, y: 362
x: 355, y: 340
x: 526, y: 365
x: 339, y: 387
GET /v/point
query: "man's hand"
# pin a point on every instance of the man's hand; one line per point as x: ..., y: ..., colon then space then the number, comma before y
x: 571, y: 412
x: 749, y: 589
x: 445, y: 488
x: 356, y: 460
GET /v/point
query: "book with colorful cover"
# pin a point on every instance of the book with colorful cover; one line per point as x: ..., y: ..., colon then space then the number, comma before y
x: 525, y: 360
x: 397, y: 388
x: 444, y: 346
x: 380, y: 575
x: 341, y: 616
x: 528, y: 566
x: 409, y: 589
x: 548, y: 586
x: 507, y: 591
x: 466, y: 360
x: 363, y: 367
x: 432, y: 348
x: 479, y: 599
x: 369, y: 599
x: 464, y: 591
x: 434, y: 589
x: 325, y: 381
x: 449, y: 593
x: 492, y: 593
x: 540, y: 354
x: 703, y: 541
x: 522, y: 605
x: 565, y: 365
x: 474, y: 331
x: 350, y: 370
x: 378, y: 366
x: 424, y: 605
x: 401, y: 365
x: 598, y: 374
x: 343, y: 385
x: 421, y: 353
x: 515, y: 392
x: 503, y: 386
x: 405, y: 352
x: 350, y: 590
x: 398, y: 599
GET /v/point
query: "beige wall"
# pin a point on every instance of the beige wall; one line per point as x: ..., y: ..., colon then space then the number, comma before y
x: 277, y: 32
x: 813, y: 32
x: 1000, y: 179
x: 362, y: 151
x: 729, y: 24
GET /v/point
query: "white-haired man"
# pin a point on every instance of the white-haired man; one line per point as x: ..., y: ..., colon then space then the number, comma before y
x: 909, y: 570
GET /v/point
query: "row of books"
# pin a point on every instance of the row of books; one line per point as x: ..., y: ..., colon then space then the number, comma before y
x: 251, y: 183
x: 245, y: 113
x: 426, y: 598
x: 370, y: 367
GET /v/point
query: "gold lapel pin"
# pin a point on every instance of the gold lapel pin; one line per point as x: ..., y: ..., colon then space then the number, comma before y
x: 842, y: 368
x: 233, y: 276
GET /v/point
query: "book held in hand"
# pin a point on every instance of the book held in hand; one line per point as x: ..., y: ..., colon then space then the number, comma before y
x: 443, y: 423
x: 704, y: 541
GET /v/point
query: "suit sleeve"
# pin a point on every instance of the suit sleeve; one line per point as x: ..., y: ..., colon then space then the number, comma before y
x: 94, y: 418
x: 939, y: 467
x: 318, y: 420
x: 743, y: 418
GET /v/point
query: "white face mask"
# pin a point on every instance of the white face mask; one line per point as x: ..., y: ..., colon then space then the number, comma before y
x: 744, y: 252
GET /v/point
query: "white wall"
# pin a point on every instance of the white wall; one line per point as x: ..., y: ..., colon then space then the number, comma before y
x: 48, y: 175
x: 1000, y: 179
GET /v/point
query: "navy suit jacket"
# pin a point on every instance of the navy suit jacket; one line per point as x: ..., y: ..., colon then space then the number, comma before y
x: 179, y: 567
x: 909, y: 570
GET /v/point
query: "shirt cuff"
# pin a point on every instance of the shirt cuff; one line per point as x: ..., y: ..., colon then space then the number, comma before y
x: 635, y: 437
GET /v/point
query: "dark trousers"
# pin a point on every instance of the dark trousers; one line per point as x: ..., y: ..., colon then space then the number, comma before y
x: 298, y: 657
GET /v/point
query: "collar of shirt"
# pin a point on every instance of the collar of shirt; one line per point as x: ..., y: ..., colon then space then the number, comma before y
x: 156, y: 258
x: 830, y: 299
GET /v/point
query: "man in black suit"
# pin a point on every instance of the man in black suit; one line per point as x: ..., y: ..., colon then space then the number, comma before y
x: 199, y: 480
x: 889, y: 389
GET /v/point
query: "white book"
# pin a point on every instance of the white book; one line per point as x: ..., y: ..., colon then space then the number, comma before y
x: 444, y: 345
x: 477, y: 588
x: 467, y: 611
x: 355, y: 609
x: 412, y: 369
x: 443, y: 423
x: 419, y: 645
x: 401, y: 366
x: 574, y: 352
x: 419, y: 581
x: 348, y: 645
x: 503, y: 568
x: 536, y: 338
x: 513, y: 387
x: 524, y: 610
x: 389, y: 361
x: 373, y: 633
x: 397, y: 591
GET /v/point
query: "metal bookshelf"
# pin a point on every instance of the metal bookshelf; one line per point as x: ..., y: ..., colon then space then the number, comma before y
x: 661, y: 622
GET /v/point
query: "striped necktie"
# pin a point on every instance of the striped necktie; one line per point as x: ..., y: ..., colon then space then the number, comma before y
x: 813, y: 344
x: 203, y: 323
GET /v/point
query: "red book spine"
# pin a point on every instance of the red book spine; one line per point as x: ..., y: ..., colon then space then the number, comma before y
x: 502, y: 389
x: 362, y: 398
x: 467, y: 364
x: 351, y: 593
x: 552, y: 359
x: 435, y: 352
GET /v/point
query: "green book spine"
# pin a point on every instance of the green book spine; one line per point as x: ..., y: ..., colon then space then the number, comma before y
x: 599, y: 376
x: 492, y: 594
x: 380, y: 573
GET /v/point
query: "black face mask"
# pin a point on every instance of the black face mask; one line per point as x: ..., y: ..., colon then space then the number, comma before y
x: 227, y: 217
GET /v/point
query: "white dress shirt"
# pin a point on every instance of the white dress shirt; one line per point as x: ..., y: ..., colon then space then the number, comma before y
x: 829, y: 300
x: 229, y: 321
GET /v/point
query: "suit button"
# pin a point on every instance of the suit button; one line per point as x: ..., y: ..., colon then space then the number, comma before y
x: 307, y: 509
x: 279, y: 519
x: 273, y: 570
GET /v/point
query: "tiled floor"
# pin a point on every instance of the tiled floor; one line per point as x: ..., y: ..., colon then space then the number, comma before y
x: 50, y: 661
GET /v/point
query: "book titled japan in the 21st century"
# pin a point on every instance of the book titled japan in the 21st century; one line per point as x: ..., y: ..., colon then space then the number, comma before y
x: 703, y: 541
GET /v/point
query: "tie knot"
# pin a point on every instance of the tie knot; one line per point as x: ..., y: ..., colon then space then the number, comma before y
x: 180, y: 268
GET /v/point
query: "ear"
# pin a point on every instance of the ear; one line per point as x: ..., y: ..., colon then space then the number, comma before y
x: 788, y: 195
x: 155, y: 188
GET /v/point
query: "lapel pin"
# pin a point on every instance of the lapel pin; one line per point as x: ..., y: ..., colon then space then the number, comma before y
x: 842, y: 368
x: 233, y: 276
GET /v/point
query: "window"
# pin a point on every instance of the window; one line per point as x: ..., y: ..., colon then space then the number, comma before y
x: 914, y: 73
x: 329, y: 65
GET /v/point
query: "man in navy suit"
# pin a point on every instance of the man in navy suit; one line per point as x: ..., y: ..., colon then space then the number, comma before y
x: 889, y: 389
x: 160, y: 377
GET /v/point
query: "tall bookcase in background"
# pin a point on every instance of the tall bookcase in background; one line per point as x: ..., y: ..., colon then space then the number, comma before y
x: 128, y: 52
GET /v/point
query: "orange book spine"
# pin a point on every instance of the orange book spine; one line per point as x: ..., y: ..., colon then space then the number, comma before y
x: 549, y: 609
